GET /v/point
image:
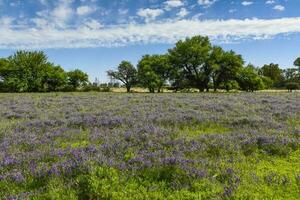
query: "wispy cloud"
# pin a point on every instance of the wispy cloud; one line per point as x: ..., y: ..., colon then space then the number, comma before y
x: 85, y: 10
x: 156, y: 32
x: 149, y: 14
x: 173, y: 4
x: 206, y: 3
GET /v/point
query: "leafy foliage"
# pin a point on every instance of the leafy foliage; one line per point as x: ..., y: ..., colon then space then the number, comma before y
x: 126, y: 73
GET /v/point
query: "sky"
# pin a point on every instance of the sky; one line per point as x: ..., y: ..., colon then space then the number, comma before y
x: 96, y: 35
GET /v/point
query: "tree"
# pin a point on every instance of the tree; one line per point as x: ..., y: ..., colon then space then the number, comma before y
x: 77, y: 78
x: 292, y: 86
x: 54, y: 79
x: 153, y: 71
x: 190, y: 58
x: 126, y: 73
x: 297, y: 62
x: 3, y: 67
x: 249, y: 80
x: 227, y: 69
x: 215, y: 63
x: 25, y: 71
x: 273, y: 72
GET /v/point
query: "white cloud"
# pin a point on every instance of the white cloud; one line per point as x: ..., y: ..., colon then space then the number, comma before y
x: 84, y: 10
x: 182, y: 13
x: 93, y: 24
x: 62, y: 12
x: 206, y: 3
x: 279, y: 8
x: 173, y: 4
x: 149, y: 14
x: 270, y: 2
x: 159, y: 32
x: 247, y: 3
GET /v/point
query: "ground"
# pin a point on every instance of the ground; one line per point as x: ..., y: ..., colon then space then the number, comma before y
x: 150, y: 146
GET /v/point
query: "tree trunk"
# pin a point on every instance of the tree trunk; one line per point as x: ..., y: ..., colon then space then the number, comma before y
x: 128, y: 89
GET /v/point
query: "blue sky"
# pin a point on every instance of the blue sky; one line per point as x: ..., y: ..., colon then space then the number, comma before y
x: 96, y: 35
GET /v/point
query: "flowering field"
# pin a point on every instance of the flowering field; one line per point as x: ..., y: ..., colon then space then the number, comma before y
x: 150, y: 146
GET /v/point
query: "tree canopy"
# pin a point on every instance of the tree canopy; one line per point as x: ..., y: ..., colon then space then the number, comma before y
x: 154, y: 71
x: 30, y: 71
x: 126, y: 73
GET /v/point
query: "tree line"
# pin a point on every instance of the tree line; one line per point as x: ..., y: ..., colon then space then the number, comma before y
x: 27, y: 71
x: 192, y: 63
x: 196, y: 63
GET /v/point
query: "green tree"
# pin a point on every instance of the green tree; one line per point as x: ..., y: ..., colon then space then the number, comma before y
x: 292, y: 86
x: 227, y: 69
x: 215, y: 62
x: 77, y: 78
x: 190, y: 58
x: 274, y: 73
x: 154, y: 71
x: 55, y: 78
x: 25, y: 71
x: 3, y: 67
x: 126, y: 73
x: 249, y: 80
x: 297, y: 62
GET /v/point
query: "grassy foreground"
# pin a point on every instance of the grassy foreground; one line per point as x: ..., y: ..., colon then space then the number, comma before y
x: 150, y: 146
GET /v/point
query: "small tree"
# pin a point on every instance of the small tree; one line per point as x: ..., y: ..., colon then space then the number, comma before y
x: 292, y: 86
x: 77, y: 78
x: 54, y: 79
x: 273, y: 72
x: 249, y: 80
x: 126, y: 73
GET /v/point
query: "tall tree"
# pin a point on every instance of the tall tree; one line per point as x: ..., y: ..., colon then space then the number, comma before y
x: 77, y: 78
x: 190, y: 58
x: 153, y: 71
x: 126, y: 73
x: 227, y: 69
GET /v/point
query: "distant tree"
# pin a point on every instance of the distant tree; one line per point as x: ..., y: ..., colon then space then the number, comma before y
x: 190, y: 57
x: 126, y: 73
x: 227, y: 69
x: 292, y: 86
x: 77, y: 78
x: 290, y: 73
x: 273, y: 72
x: 249, y: 80
x: 154, y: 71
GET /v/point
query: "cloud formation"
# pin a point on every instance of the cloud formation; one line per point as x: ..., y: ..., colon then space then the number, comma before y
x: 93, y: 34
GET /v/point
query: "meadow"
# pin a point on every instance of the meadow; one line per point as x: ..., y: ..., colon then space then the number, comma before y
x: 150, y: 146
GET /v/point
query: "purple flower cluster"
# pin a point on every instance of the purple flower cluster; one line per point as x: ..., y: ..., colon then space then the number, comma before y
x: 66, y: 134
